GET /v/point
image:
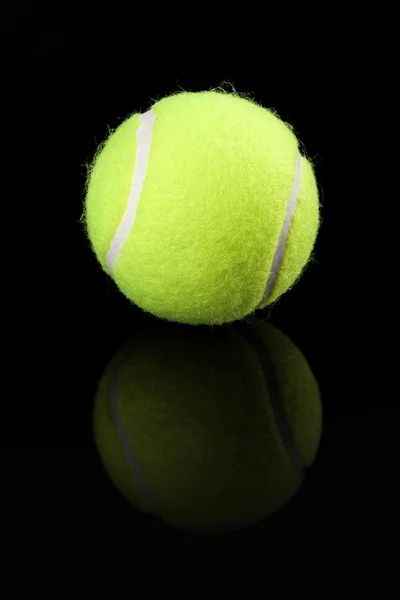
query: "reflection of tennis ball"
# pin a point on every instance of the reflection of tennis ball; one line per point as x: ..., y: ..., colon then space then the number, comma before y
x: 208, y: 430
x: 202, y: 209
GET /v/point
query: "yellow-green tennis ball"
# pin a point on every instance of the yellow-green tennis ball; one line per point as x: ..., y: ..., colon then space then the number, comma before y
x: 210, y: 431
x: 202, y: 209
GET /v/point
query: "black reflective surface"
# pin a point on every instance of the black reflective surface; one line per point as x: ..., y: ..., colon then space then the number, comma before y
x: 64, y: 320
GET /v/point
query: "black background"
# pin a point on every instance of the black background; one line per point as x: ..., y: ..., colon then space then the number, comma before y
x: 67, y: 78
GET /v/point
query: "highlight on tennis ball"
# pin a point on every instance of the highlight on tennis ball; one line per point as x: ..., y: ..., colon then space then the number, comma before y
x: 202, y: 209
x: 211, y: 431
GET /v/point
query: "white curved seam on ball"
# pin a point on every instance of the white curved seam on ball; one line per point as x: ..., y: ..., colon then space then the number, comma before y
x: 280, y: 249
x: 143, y: 134
x: 147, y: 505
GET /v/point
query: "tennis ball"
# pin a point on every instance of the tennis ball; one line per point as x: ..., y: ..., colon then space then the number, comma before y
x: 202, y: 209
x: 208, y: 430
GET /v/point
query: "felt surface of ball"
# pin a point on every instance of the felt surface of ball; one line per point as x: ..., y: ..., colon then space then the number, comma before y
x: 212, y: 432
x: 202, y: 209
